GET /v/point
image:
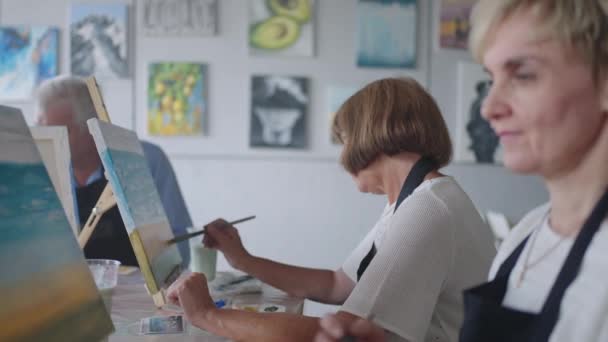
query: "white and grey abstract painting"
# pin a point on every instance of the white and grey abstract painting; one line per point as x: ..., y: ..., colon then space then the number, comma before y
x: 98, y: 40
x: 180, y: 17
x: 278, y: 111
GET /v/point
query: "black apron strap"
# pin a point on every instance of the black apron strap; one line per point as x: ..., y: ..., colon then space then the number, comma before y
x: 416, y: 176
x: 365, y: 262
x: 571, y: 268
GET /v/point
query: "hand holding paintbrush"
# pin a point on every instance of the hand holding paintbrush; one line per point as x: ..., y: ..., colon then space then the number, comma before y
x: 200, y: 232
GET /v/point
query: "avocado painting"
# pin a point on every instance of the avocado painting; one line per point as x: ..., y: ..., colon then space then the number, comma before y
x: 176, y: 98
x: 48, y: 293
x: 278, y: 111
x: 281, y: 27
x: 386, y: 33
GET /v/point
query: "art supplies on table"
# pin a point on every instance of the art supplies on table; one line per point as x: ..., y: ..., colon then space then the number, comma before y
x: 162, y: 325
x: 230, y: 284
x: 264, y: 307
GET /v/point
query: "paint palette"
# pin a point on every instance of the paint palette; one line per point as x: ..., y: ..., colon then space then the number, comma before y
x: 265, y: 307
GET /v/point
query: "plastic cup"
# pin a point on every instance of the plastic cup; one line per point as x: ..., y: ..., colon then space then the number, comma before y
x: 105, y: 273
x: 202, y: 259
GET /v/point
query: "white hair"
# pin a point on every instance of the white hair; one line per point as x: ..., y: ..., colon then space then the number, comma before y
x: 68, y: 89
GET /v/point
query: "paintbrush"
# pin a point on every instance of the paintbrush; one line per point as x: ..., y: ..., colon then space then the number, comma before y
x: 197, y: 233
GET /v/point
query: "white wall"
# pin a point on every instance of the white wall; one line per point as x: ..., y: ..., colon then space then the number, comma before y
x: 309, y: 212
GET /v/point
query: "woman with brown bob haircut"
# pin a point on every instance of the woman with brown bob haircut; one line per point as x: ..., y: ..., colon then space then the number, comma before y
x: 409, y: 271
x: 548, y: 104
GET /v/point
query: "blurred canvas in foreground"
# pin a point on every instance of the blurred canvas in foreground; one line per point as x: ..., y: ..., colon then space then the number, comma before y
x: 454, y: 23
x: 54, y: 147
x: 48, y: 293
x: 386, y: 33
x: 99, y: 40
x: 139, y: 204
x: 28, y: 56
x: 176, y: 98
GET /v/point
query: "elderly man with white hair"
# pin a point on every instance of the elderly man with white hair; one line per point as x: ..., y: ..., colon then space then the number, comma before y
x: 65, y: 101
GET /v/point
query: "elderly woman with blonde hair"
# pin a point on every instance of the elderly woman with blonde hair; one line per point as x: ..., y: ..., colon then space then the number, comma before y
x: 548, y: 103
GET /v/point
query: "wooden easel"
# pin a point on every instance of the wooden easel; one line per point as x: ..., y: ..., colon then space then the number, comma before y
x: 106, y: 200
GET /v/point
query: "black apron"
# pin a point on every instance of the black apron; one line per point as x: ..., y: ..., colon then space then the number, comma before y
x: 487, y: 320
x: 109, y: 239
x: 416, y: 176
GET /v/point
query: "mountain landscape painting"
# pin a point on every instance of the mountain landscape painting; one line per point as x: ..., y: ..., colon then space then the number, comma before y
x: 98, y: 40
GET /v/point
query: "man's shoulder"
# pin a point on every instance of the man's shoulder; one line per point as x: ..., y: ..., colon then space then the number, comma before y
x: 152, y: 151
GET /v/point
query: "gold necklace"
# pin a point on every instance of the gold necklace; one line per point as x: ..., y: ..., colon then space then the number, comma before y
x: 527, y: 263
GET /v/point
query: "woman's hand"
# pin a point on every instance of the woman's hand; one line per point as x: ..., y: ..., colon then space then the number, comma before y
x: 335, y: 328
x: 220, y: 235
x: 191, y: 293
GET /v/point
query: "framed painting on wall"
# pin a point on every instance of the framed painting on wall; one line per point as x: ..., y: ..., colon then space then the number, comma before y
x: 99, y: 40
x: 386, y: 32
x: 29, y: 55
x: 48, y: 292
x: 454, y: 23
x: 177, y: 99
x: 475, y: 140
x: 281, y: 28
x: 180, y: 17
x: 279, y: 106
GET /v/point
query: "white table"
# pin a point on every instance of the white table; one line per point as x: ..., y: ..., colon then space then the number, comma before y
x: 131, y: 303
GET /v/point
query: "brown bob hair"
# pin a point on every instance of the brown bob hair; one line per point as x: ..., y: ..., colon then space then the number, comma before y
x: 390, y: 116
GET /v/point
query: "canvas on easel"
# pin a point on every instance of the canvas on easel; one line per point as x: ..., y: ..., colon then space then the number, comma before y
x: 48, y: 293
x: 139, y: 204
x: 54, y: 148
x: 106, y: 200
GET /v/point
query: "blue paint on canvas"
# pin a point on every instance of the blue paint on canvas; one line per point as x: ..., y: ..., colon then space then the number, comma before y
x: 28, y: 56
x: 32, y: 214
x: 44, y: 279
x: 387, y: 33
x: 137, y: 190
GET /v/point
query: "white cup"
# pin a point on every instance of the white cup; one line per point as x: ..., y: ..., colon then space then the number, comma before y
x: 202, y: 259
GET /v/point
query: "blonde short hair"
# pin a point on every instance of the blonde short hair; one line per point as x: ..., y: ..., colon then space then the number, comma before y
x: 388, y: 117
x: 578, y: 24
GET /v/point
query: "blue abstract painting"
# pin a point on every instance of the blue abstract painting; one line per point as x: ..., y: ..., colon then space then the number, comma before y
x: 138, y: 201
x: 28, y: 56
x: 387, y: 33
x: 48, y: 293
